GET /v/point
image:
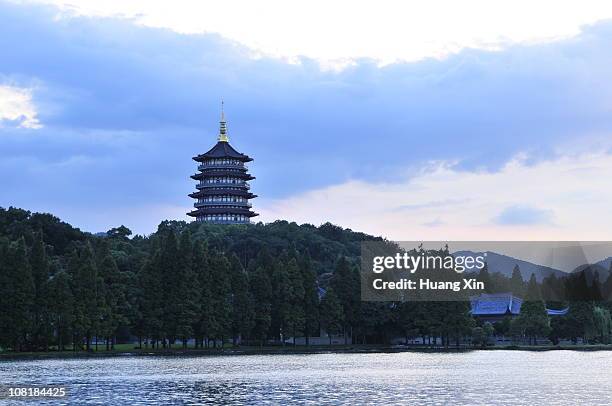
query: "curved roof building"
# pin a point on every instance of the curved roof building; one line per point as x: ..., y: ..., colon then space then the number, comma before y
x: 223, y: 191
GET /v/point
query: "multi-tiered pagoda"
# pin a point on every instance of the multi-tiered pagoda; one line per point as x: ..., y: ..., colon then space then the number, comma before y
x: 223, y: 190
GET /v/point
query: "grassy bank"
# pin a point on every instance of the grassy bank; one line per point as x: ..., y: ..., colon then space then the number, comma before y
x: 129, y: 350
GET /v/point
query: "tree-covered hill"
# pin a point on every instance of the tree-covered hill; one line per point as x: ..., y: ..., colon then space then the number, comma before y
x: 325, y: 243
x: 209, y: 284
x: 62, y: 285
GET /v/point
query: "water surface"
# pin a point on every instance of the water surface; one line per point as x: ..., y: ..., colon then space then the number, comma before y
x: 480, y: 377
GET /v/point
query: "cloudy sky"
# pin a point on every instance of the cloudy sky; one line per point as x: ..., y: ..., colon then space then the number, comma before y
x: 446, y: 120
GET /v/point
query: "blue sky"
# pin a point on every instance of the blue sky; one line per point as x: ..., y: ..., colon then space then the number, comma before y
x: 102, y: 115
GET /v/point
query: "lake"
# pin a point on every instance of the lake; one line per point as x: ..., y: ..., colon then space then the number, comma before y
x: 479, y: 377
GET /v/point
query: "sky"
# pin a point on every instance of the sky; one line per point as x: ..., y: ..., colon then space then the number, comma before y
x: 471, y: 120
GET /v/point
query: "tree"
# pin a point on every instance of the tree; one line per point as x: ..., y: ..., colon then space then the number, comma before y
x: 295, y: 317
x: 482, y: 335
x: 242, y: 304
x: 201, y: 269
x: 220, y: 297
x: 596, y: 295
x: 61, y: 304
x: 579, y: 321
x: 84, y: 277
x: 533, y: 320
x: 405, y: 319
x: 112, y: 299
x: 169, y: 269
x: 311, y: 297
x: 602, y: 324
x: 16, y: 296
x: 121, y: 232
x: 517, y: 285
x: 282, y: 298
x: 40, y: 275
x: 332, y: 314
x: 346, y: 285
x: 456, y: 321
x: 262, y: 306
x: 187, y: 302
x: 485, y: 277
x: 152, y: 300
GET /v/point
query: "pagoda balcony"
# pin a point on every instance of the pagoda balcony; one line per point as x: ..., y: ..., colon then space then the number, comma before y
x: 223, y: 184
x: 240, y: 165
x: 206, y: 204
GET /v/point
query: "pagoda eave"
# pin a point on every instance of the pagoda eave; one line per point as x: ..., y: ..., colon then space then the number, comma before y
x: 230, y: 192
x: 202, y: 158
x: 217, y: 211
x: 240, y: 175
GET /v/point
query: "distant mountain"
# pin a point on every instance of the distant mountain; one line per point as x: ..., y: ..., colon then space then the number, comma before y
x: 605, y: 263
x: 505, y: 264
x: 602, y: 267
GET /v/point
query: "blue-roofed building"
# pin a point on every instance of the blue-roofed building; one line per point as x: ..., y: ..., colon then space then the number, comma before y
x: 494, y: 307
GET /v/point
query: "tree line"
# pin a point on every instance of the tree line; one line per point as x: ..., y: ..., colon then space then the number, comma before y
x: 211, y: 285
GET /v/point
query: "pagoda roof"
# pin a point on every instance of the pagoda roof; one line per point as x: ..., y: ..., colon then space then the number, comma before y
x: 222, y: 149
x: 213, y: 173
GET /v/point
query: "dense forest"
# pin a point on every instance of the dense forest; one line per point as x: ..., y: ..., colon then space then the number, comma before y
x: 260, y: 284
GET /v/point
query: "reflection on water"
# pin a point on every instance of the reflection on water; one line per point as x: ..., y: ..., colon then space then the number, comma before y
x: 482, y: 377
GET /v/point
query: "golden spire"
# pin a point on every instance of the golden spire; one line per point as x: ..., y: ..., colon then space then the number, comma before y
x: 222, y: 127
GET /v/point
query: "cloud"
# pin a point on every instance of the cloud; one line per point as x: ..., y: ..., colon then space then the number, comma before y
x: 524, y: 215
x: 573, y: 187
x: 125, y: 107
x: 434, y: 223
x: 387, y: 31
x: 17, y: 108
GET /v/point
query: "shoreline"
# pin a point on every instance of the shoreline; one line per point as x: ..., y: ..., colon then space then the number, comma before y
x: 352, y: 349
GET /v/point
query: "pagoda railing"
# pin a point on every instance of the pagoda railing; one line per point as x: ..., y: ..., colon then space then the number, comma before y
x: 240, y: 204
x: 223, y: 184
x: 214, y: 166
x: 248, y: 221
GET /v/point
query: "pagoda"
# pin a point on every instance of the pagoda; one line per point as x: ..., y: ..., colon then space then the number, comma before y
x: 223, y: 191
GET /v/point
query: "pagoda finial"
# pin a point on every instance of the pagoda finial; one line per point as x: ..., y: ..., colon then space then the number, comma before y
x: 223, y: 126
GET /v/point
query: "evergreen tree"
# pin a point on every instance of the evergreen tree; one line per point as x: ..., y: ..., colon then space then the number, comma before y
x: 169, y: 268
x: 187, y: 290
x: 607, y: 286
x: 517, y: 285
x: 295, y: 320
x: 16, y: 296
x: 311, y: 297
x: 262, y: 303
x: 220, y: 297
x: 456, y: 321
x: 405, y: 320
x: 113, y: 301
x: 242, y: 304
x: 42, y: 333
x: 152, y: 300
x: 61, y: 306
x: 533, y: 320
x: 281, y: 298
x: 84, y: 277
x: 203, y: 323
x: 346, y: 285
x: 485, y: 277
x: 596, y: 295
x: 332, y: 314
